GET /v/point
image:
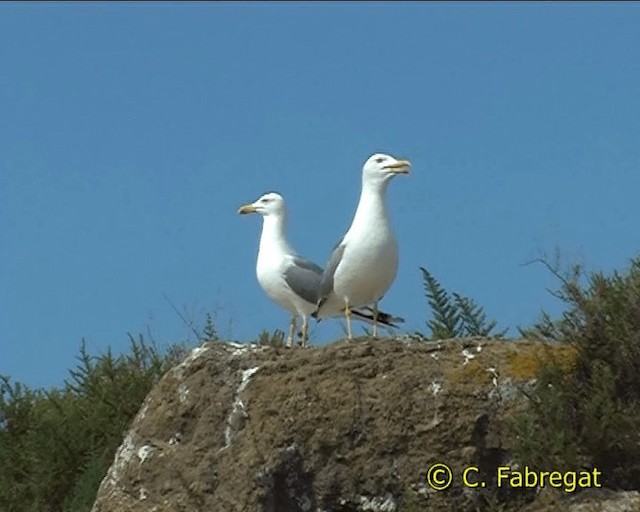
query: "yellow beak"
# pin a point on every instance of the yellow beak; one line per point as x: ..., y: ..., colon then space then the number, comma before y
x: 400, y: 167
x: 246, y: 208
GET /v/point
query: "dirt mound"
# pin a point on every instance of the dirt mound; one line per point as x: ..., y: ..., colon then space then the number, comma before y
x: 353, y: 426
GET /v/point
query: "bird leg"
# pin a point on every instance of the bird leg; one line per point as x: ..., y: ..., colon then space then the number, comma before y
x: 347, y: 315
x: 305, y: 331
x: 374, y: 332
x: 292, y: 330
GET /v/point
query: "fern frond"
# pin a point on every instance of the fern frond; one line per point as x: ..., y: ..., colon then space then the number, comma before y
x: 446, y: 320
x: 455, y: 316
x: 473, y: 318
x: 209, y: 333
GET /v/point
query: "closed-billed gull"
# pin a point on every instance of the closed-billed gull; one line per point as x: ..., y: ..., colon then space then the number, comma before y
x: 365, y: 263
x: 291, y: 281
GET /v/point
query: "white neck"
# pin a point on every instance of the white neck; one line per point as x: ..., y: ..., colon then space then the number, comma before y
x: 372, y: 207
x: 272, y: 238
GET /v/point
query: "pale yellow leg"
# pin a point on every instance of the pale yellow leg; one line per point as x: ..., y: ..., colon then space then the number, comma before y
x: 305, y: 331
x: 375, y: 320
x: 347, y: 315
x: 292, y: 330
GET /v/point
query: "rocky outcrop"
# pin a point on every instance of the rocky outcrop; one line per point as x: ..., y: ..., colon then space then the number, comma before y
x: 353, y: 426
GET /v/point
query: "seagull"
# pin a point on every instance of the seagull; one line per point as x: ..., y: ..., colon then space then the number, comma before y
x: 292, y: 281
x: 364, y: 263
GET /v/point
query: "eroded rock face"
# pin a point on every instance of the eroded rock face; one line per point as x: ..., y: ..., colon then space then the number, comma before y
x: 353, y: 426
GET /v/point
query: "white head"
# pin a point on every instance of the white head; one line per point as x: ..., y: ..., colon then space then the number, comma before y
x: 380, y: 168
x: 269, y: 204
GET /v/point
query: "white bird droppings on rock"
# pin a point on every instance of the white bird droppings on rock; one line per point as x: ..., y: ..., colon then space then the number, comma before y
x: 197, y: 352
x: 494, y: 376
x: 122, y: 458
x: 144, y: 452
x: 240, y: 348
x: 246, y: 375
x: 386, y: 503
x: 238, y: 412
x: 183, y: 391
x: 178, y: 371
x: 468, y: 356
x: 143, y: 410
x: 175, y: 438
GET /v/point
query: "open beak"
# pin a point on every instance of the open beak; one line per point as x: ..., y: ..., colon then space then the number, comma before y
x: 247, y: 208
x: 400, y: 167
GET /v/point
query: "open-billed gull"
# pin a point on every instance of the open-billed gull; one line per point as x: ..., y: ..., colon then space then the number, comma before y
x: 365, y: 262
x: 290, y: 280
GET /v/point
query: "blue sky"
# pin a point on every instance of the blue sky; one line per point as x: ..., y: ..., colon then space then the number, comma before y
x: 130, y: 133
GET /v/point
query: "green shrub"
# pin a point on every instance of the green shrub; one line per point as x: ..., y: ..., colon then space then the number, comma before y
x: 590, y: 417
x: 56, y: 445
x: 271, y: 339
x: 210, y: 332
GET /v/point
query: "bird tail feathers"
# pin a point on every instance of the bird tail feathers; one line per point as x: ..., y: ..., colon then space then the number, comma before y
x: 366, y: 315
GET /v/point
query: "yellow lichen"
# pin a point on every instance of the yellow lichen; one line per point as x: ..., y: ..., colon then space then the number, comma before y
x: 517, y: 360
x: 526, y: 364
x: 474, y: 372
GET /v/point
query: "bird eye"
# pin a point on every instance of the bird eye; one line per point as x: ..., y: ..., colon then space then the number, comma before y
x: 380, y: 159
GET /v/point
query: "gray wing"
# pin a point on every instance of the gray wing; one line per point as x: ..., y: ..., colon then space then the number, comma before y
x: 304, y: 278
x: 326, y: 287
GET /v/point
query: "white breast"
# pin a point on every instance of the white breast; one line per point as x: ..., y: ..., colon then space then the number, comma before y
x: 368, y: 268
x: 270, y: 272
